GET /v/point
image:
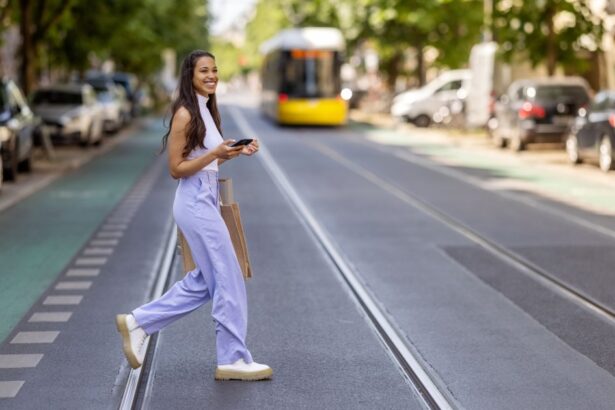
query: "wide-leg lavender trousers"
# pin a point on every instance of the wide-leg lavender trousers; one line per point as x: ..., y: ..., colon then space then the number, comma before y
x: 217, y: 276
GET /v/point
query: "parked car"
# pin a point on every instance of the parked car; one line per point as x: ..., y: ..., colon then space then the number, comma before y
x: 125, y: 105
x: 70, y: 112
x: 419, y: 106
x: 592, y: 136
x: 18, y: 125
x: 538, y: 110
x: 107, y: 95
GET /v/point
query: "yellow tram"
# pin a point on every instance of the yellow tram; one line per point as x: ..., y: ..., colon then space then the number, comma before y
x: 300, y: 77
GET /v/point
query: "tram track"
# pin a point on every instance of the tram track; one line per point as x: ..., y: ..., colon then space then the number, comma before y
x: 425, y: 384
x: 530, y: 269
x: 137, y: 388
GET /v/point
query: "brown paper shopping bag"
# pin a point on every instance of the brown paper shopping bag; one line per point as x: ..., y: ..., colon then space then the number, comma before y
x: 184, y: 249
x: 232, y: 219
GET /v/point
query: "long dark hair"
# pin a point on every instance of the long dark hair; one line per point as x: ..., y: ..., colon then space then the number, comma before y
x: 186, y: 97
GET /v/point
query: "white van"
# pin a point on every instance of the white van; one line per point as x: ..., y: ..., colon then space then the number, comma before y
x: 419, y: 106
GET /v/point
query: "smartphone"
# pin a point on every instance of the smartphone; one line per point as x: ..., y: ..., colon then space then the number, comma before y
x: 245, y: 141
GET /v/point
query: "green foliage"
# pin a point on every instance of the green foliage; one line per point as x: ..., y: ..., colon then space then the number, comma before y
x: 133, y: 33
x: 269, y: 18
x: 228, y: 58
x: 555, y: 32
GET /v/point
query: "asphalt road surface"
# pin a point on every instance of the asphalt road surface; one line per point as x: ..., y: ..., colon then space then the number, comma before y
x: 383, y: 279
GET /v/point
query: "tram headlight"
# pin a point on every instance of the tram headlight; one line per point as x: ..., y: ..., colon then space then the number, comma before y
x: 346, y: 94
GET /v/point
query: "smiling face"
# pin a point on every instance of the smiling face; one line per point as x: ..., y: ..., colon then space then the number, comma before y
x: 205, y: 76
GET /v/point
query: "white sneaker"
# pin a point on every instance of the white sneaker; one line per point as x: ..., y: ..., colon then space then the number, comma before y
x: 241, y: 370
x: 133, y: 338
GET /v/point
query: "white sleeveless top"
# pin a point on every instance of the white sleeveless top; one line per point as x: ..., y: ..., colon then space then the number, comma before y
x: 212, y: 137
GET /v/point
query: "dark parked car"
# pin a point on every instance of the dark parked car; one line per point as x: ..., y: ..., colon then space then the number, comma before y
x: 540, y: 110
x: 125, y: 80
x: 17, y: 127
x: 592, y: 136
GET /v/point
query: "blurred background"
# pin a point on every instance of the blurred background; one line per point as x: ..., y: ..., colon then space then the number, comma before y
x: 424, y: 62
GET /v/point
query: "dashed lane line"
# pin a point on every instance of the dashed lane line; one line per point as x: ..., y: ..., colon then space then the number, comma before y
x: 110, y: 234
x: 9, y: 389
x: 104, y: 242
x: 82, y: 272
x: 63, y: 300
x: 19, y: 361
x: 90, y: 261
x: 74, y: 285
x: 48, y: 336
x: 97, y: 251
x: 44, y: 317
x: 114, y: 227
x: 93, y: 258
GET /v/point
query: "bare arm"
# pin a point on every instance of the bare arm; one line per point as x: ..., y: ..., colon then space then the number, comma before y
x: 179, y: 166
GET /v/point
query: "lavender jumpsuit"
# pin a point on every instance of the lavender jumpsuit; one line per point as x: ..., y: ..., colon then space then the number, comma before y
x: 217, y: 276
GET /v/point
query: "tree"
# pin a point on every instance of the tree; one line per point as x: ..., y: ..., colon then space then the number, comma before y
x: 268, y: 18
x: 36, y: 21
x: 554, y: 32
x: 132, y: 33
x: 449, y: 26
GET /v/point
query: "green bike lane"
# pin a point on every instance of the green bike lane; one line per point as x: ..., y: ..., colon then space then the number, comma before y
x: 41, y: 234
x: 535, y: 172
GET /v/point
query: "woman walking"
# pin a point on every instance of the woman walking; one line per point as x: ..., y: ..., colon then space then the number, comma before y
x: 196, y: 148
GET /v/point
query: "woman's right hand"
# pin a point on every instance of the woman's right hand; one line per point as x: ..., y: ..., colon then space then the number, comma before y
x: 225, y: 151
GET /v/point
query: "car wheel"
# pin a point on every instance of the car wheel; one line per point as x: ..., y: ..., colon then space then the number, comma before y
x: 572, y: 149
x: 12, y: 167
x: 516, y: 143
x: 26, y: 164
x: 606, y: 154
x: 422, y: 121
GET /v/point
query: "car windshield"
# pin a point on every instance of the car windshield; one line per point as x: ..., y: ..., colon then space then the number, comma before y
x: 558, y: 92
x: 56, y: 97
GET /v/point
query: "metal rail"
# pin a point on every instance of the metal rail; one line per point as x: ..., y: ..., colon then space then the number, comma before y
x: 410, y: 363
x: 136, y: 382
x: 530, y: 269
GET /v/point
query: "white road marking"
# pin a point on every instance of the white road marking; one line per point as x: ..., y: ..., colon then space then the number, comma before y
x: 35, y: 337
x: 110, y: 234
x: 9, y: 389
x: 83, y: 272
x: 114, y: 227
x: 90, y: 261
x: 63, y: 300
x: 97, y: 251
x: 104, y: 242
x: 74, y: 285
x: 19, y: 361
x: 50, y: 317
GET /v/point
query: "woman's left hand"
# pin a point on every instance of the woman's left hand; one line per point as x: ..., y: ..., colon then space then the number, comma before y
x: 250, y: 148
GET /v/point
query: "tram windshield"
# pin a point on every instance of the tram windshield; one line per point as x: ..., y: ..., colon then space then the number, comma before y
x: 310, y: 73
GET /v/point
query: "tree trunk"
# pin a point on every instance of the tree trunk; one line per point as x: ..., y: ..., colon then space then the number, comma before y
x: 392, y: 69
x: 420, y: 65
x: 28, y: 52
x: 551, y: 46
